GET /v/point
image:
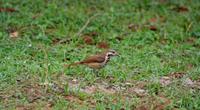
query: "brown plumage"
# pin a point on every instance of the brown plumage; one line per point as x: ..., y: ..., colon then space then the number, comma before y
x: 96, y: 61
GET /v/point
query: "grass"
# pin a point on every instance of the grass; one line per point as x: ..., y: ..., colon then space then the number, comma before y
x: 36, y: 57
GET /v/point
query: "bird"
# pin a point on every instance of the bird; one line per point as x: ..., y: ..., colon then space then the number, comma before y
x: 97, y: 61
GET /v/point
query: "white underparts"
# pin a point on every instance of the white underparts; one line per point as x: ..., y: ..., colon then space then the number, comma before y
x: 107, y: 58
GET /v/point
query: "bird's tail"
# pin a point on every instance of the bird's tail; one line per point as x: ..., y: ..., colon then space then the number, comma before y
x: 73, y: 64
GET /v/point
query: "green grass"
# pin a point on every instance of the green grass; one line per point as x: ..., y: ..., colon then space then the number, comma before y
x: 33, y: 58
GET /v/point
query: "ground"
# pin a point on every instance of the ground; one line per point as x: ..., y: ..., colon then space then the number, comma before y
x: 158, y: 42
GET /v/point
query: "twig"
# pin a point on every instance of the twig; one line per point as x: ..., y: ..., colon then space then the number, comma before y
x: 189, y: 26
x: 86, y: 24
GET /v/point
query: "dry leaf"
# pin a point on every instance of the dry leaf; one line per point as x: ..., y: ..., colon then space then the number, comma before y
x: 7, y: 10
x: 153, y: 28
x: 14, y: 34
x: 181, y: 9
x: 88, y: 40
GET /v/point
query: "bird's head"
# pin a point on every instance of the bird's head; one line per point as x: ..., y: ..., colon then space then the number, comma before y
x: 112, y: 53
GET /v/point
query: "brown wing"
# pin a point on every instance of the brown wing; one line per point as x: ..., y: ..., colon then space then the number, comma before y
x: 95, y: 58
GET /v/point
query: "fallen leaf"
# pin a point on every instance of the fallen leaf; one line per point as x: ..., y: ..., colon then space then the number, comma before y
x: 181, y: 9
x: 103, y: 45
x: 14, y: 34
x: 153, y: 28
x: 7, y: 10
x: 88, y: 40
